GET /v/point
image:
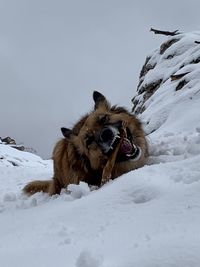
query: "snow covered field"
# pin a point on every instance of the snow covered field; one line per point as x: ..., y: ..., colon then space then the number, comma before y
x: 149, y: 217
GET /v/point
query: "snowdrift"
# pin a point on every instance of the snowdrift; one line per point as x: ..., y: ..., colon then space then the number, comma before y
x: 146, y: 218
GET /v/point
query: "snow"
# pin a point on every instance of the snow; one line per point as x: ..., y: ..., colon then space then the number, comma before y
x: 147, y: 218
x: 14, y: 157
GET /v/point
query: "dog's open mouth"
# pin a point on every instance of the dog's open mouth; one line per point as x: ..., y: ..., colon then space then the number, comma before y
x: 128, y: 150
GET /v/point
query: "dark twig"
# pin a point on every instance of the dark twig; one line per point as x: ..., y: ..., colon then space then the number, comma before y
x: 164, y: 32
x: 197, y: 42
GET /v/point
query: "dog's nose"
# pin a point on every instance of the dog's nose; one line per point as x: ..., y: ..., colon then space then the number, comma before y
x: 106, y: 135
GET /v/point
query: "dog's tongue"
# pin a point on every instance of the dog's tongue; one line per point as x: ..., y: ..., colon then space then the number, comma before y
x: 126, y: 147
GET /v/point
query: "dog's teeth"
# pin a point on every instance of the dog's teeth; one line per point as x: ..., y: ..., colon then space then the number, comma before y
x: 134, y: 146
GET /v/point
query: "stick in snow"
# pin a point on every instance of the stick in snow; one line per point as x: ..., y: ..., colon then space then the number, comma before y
x: 107, y: 171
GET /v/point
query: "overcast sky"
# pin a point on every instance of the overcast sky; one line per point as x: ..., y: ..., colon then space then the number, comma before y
x: 53, y: 54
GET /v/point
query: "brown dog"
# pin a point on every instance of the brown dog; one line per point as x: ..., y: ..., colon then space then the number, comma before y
x: 103, y: 144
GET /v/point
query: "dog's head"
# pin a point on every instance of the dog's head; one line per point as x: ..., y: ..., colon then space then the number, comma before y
x: 97, y: 134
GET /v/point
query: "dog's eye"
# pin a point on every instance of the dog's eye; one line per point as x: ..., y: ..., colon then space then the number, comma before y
x: 103, y: 119
x: 89, y: 140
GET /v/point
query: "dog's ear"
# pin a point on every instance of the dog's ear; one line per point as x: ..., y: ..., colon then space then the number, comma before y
x: 100, y: 101
x: 66, y: 132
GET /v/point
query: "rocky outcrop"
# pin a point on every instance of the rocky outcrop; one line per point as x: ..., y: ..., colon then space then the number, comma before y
x: 8, y: 141
x: 170, y: 74
x: 11, y: 142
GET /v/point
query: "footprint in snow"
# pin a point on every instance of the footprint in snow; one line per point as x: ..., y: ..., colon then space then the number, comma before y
x: 143, y: 195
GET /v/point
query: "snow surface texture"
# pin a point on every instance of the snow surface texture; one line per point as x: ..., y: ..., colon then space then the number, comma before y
x: 147, y: 218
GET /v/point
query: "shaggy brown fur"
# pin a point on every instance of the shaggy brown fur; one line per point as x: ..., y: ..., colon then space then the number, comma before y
x: 86, y: 149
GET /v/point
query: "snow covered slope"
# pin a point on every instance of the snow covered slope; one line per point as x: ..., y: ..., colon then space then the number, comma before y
x: 149, y: 217
x: 169, y: 87
x: 17, y: 167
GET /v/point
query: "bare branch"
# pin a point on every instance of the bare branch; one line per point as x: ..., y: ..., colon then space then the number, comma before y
x: 107, y: 171
x: 197, y: 42
x: 164, y: 32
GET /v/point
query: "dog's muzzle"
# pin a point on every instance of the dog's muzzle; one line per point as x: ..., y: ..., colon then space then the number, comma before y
x: 108, y: 135
x: 109, y: 138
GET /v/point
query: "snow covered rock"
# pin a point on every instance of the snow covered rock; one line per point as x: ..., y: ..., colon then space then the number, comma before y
x: 10, y: 156
x: 168, y: 92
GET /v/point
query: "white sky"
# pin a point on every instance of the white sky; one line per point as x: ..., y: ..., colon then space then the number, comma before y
x: 53, y: 54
